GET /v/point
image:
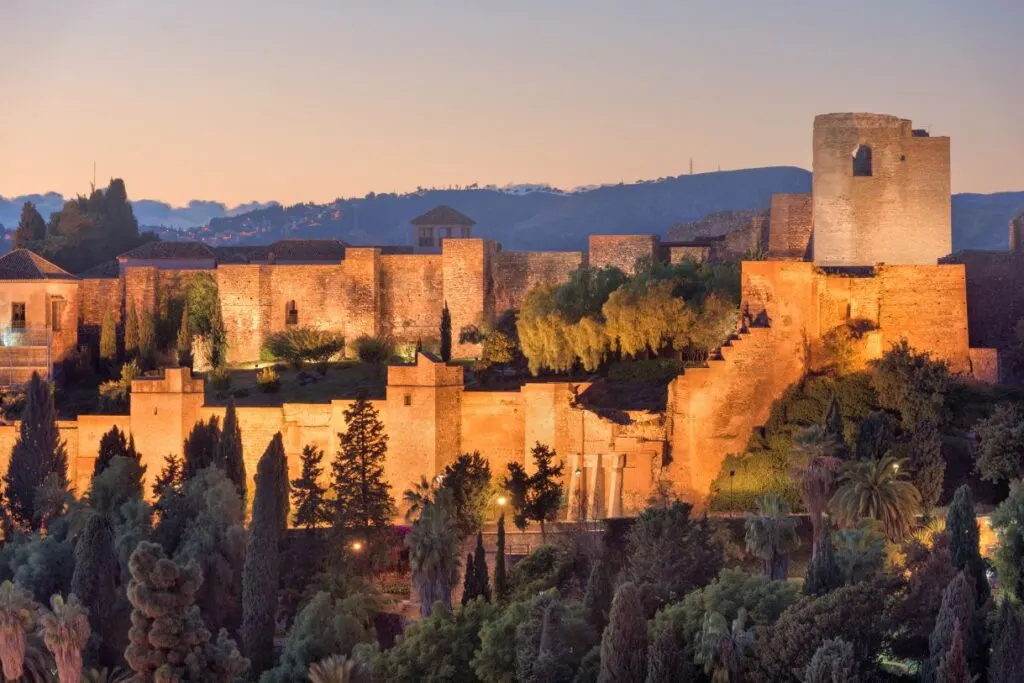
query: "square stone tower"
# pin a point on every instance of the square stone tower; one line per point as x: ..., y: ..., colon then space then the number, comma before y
x: 881, y: 192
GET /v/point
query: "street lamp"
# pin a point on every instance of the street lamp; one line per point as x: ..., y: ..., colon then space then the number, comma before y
x: 502, y: 500
x: 357, y: 546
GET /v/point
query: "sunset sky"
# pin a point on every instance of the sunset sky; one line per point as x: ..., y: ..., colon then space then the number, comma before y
x: 311, y: 100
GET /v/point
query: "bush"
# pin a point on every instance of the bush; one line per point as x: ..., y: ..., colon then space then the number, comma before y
x: 114, y: 393
x: 299, y: 345
x: 268, y: 381
x: 220, y: 378
x: 374, y: 350
x: 654, y: 370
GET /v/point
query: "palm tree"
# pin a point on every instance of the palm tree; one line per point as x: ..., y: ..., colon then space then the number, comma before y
x: 333, y: 669
x: 418, y: 497
x: 17, y: 617
x: 877, y: 489
x: 65, y: 630
x: 721, y: 647
x: 817, y: 477
x: 771, y: 535
x: 433, y: 554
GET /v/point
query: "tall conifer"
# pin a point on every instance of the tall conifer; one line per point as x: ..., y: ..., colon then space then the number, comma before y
x: 362, y: 496
x: 500, y: 579
x: 965, y: 542
x: 309, y: 496
x: 108, y: 339
x: 624, y: 643
x: 131, y: 331
x: 229, y: 452
x: 446, y: 333
x: 93, y: 581
x: 1005, y: 664
x: 183, y: 343
x: 483, y: 581
x: 469, y: 587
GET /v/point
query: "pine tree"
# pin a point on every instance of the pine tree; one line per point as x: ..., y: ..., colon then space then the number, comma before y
x: 147, y: 338
x: 823, y: 574
x: 183, y: 345
x: 114, y: 443
x: 362, y: 495
x: 954, y: 663
x: 108, y: 339
x: 168, y: 640
x: 93, y: 581
x: 598, y: 596
x: 37, y: 454
x: 500, y: 579
x: 964, y: 542
x: 171, y: 477
x: 31, y: 227
x: 926, y: 464
x: 624, y: 643
x: 666, y: 661
x: 1005, y: 663
x: 228, y: 454
x: 955, y: 614
x: 131, y: 332
x: 483, y: 581
x: 201, y: 447
x: 261, y: 575
x: 545, y: 489
x: 469, y: 587
x: 446, y: 333
x: 309, y: 496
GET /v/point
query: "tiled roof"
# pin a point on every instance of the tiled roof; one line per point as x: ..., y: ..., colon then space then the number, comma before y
x: 104, y: 270
x: 235, y: 254
x: 306, y: 250
x: 169, y: 250
x: 22, y: 264
x: 443, y: 215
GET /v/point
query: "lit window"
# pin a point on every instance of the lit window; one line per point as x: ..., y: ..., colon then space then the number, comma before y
x: 291, y: 313
x: 18, y: 315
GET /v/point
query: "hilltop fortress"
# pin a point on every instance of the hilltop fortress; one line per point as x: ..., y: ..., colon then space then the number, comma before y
x: 870, y: 245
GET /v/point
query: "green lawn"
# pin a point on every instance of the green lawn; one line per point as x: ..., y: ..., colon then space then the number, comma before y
x: 343, y: 380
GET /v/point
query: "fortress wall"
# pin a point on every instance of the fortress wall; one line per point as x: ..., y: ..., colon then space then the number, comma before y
x: 244, y: 292
x: 318, y: 293
x: 985, y: 365
x: 171, y: 285
x: 96, y: 296
x: 517, y: 272
x: 360, y: 292
x: 677, y: 254
x: 493, y: 422
x: 89, y: 430
x: 468, y: 287
x: 995, y: 295
x: 620, y: 251
x: 412, y: 295
x: 790, y: 226
x: 140, y: 286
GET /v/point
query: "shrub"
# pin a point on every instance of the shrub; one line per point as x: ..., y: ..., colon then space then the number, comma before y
x: 220, y: 378
x: 374, y: 350
x: 114, y: 393
x: 299, y: 345
x: 654, y: 370
x: 268, y: 381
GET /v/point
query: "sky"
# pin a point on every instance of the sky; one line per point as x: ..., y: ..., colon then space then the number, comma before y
x: 241, y: 100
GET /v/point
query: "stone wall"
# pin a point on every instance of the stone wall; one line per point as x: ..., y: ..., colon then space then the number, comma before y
x: 96, y: 297
x: 516, y: 272
x: 412, y: 295
x: 995, y: 295
x: 790, y: 226
x: 620, y: 251
x: 245, y: 301
x: 468, y: 286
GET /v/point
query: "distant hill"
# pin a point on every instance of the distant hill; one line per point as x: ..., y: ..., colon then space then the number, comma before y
x: 523, y: 216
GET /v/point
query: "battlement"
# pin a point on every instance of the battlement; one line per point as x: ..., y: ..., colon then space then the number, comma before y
x: 173, y: 381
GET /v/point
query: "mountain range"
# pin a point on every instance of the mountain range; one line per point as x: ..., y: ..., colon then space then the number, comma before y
x: 521, y: 216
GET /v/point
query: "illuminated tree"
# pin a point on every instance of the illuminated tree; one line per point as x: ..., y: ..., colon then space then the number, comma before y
x: 131, y: 331
x: 108, y: 339
x: 309, y: 496
x: 878, y: 489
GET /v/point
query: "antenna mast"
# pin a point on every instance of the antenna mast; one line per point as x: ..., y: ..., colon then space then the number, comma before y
x: 691, y: 165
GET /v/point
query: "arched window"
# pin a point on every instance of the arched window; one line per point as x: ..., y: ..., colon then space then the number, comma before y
x: 862, y: 161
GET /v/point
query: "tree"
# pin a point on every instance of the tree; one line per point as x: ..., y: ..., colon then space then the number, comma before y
x: 833, y: 662
x: 260, y: 577
x: 912, y: 385
x: 926, y: 464
x: 94, y: 582
x: 667, y: 662
x: 168, y: 641
x: 874, y: 436
x: 879, y: 489
x: 928, y: 572
x: 500, y: 581
x: 31, y: 226
x: 722, y: 645
x: 624, y: 643
x: 147, y: 337
x: 108, y: 339
x: 1008, y: 523
x: 771, y: 535
x: 469, y: 584
x: 37, y: 454
x: 171, y: 478
x: 17, y: 619
x: 132, y: 335
x: 955, y: 614
x: 1007, y: 637
x: 646, y: 317
x: 309, y: 496
x: 1000, y: 443
x: 446, y: 334
x: 65, y: 630
x: 433, y: 556
x: 228, y: 452
x: 362, y: 495
x: 823, y: 573
x: 964, y: 542
x: 953, y: 668
x: 834, y: 420
x: 817, y: 480
x: 483, y: 582
x: 859, y: 551
x: 535, y: 497
x: 670, y: 554
x: 112, y: 444
x: 469, y: 480
x: 598, y: 595
x: 201, y: 447
x: 183, y: 342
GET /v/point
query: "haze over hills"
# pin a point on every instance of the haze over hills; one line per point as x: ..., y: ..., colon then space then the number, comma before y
x: 521, y: 216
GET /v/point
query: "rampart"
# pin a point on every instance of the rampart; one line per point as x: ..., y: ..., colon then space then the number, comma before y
x: 790, y: 226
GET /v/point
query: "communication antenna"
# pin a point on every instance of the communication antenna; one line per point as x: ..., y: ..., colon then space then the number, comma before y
x: 691, y: 165
x: 94, y: 175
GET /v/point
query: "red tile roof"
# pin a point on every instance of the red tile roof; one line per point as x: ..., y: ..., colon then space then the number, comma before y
x: 22, y: 264
x: 443, y: 215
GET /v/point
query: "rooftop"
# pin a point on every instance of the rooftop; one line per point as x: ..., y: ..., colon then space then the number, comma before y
x: 306, y: 250
x: 443, y: 215
x: 22, y: 264
x: 169, y: 250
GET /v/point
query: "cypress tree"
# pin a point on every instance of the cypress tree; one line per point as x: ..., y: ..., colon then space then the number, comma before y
x: 183, y: 344
x: 823, y: 573
x: 834, y: 420
x: 31, y: 226
x: 955, y: 614
x: 500, y: 580
x: 624, y: 643
x: 108, y: 339
x: 598, y: 596
x: 114, y: 443
x: 954, y: 663
x: 667, y: 661
x: 147, y: 337
x: 926, y: 464
x: 469, y: 587
x: 309, y: 496
x: 260, y: 576
x: 362, y: 495
x: 131, y: 332
x: 37, y: 453
x: 833, y: 662
x: 483, y: 581
x: 1005, y: 663
x: 964, y: 542
x: 229, y: 452
x: 96, y: 569
x: 201, y: 447
x: 446, y: 333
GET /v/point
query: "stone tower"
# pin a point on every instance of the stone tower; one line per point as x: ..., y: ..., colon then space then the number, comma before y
x: 881, y: 192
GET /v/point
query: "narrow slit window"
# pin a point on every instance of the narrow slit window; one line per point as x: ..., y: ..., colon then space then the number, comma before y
x: 291, y: 313
x: 862, y: 161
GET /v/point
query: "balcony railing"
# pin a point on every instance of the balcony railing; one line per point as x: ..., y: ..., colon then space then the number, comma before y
x: 24, y: 350
x: 15, y: 336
